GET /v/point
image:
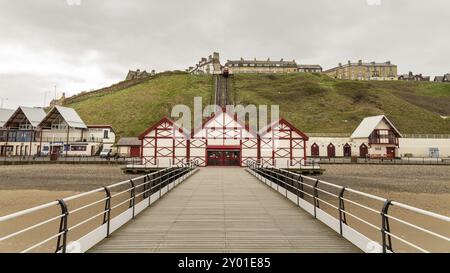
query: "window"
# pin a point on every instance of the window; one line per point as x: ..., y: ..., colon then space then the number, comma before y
x: 78, y: 148
x: 106, y: 134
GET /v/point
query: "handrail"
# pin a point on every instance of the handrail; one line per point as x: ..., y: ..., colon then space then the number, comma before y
x: 282, y: 177
x: 161, y: 178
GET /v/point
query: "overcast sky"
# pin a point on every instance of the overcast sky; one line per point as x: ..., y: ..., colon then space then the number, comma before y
x: 91, y: 45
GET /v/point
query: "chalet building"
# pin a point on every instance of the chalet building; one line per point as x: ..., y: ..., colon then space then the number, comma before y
x: 22, y: 133
x: 223, y: 140
x: 375, y: 137
x: 129, y: 147
x: 381, y: 136
x: 306, y: 68
x: 63, y: 131
x: 30, y: 131
x: 138, y: 74
x: 259, y: 66
x: 210, y: 65
x: 445, y: 78
x: 364, y: 71
x: 411, y: 77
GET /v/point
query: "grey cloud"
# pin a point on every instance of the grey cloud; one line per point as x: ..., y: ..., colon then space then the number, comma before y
x: 115, y: 35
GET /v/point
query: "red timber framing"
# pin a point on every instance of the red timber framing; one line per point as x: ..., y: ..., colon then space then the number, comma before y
x: 282, y: 145
x: 164, y: 144
x: 279, y: 144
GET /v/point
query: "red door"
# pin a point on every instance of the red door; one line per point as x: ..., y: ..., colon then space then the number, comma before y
x: 390, y: 152
x: 135, y: 151
x: 363, y: 150
x: 224, y: 158
x: 331, y: 151
x: 315, y: 152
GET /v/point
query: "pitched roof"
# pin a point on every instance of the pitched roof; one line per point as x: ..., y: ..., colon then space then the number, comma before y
x: 439, y: 78
x: 369, y: 124
x: 69, y: 115
x: 5, y: 114
x: 129, y: 141
x: 269, y: 127
x: 33, y: 115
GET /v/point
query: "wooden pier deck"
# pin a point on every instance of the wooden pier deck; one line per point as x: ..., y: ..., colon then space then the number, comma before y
x: 224, y: 210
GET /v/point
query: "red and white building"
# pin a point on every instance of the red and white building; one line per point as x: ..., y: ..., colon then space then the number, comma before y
x: 223, y: 140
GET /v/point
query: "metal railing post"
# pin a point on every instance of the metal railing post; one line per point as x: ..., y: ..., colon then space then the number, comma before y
x: 62, y: 238
x: 133, y: 196
x: 315, y: 195
x: 150, y: 189
x: 145, y: 188
x: 386, y: 238
x: 107, y: 215
x: 342, y: 217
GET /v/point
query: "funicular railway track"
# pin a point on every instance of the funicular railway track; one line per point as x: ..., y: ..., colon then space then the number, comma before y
x: 222, y: 87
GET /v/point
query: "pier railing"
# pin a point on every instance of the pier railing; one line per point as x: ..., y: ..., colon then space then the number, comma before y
x: 372, y: 223
x: 76, y: 223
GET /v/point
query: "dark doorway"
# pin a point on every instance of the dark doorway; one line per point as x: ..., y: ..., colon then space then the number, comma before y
x: 390, y: 152
x: 331, y: 150
x: 224, y: 158
x: 347, y: 150
x: 363, y: 150
x: 315, y: 152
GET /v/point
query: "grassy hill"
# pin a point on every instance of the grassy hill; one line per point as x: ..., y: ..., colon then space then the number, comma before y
x: 314, y: 103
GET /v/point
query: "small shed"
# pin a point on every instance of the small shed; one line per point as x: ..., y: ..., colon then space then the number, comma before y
x: 129, y: 147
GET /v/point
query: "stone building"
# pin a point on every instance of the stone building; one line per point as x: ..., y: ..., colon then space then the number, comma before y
x: 307, y: 68
x: 445, y: 78
x: 138, y: 74
x: 364, y: 71
x: 258, y: 66
x: 210, y: 65
x: 59, y: 101
x: 411, y: 77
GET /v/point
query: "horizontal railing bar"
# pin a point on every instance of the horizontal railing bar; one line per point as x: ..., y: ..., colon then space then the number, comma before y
x: 86, y: 220
x: 407, y: 242
x: 122, y: 203
x: 362, y: 220
x: 43, y: 242
x: 326, y: 203
x: 88, y: 205
x: 421, y: 211
x: 418, y: 227
x: 361, y: 205
x: 28, y: 211
x: 30, y: 228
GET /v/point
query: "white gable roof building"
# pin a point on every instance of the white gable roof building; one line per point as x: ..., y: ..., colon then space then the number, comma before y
x: 370, y: 124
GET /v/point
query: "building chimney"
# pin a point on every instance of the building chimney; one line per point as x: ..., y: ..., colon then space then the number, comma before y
x: 268, y: 59
x: 281, y: 60
x: 360, y: 62
x: 340, y: 64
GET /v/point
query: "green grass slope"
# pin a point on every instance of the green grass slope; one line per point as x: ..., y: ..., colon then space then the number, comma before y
x: 132, y: 110
x: 312, y: 102
x: 319, y: 104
